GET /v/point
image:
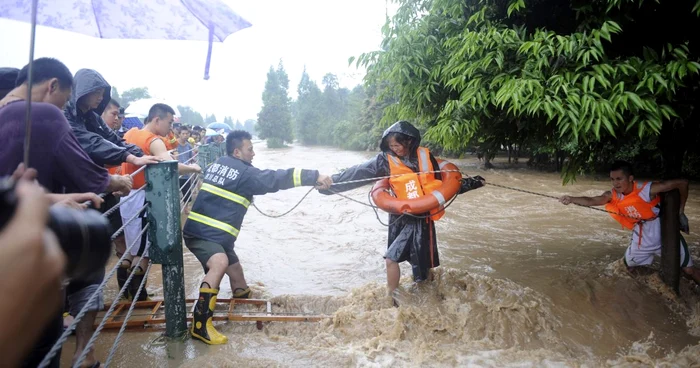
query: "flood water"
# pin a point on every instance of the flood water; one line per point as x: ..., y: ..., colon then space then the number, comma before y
x: 524, y: 281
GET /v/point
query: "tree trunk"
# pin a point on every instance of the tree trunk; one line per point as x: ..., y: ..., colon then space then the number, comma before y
x: 487, y: 160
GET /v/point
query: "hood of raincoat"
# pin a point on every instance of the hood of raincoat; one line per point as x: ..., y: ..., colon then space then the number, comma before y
x: 87, y: 81
x: 8, y: 76
x: 403, y: 127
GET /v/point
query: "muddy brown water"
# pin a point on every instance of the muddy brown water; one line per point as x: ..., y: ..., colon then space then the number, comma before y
x: 524, y: 281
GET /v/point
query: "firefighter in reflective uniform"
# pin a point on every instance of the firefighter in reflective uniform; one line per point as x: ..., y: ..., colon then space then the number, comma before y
x: 410, y: 239
x: 215, y: 221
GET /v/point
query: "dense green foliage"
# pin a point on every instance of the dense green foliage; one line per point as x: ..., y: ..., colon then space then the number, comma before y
x: 577, y: 83
x: 275, y: 119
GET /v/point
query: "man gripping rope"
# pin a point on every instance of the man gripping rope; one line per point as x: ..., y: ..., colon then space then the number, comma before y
x: 150, y: 140
x: 215, y: 221
x: 638, y: 202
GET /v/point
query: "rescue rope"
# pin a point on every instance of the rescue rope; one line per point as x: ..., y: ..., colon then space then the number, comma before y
x: 58, y: 345
x: 114, y: 304
x: 116, y: 206
x: 113, y: 350
x: 191, y: 190
x: 132, y: 219
x: 138, y: 171
x: 360, y: 202
x: 286, y: 213
x: 174, y: 150
x: 557, y: 198
x: 187, y: 181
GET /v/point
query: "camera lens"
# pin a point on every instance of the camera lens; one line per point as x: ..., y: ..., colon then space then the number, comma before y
x: 84, y: 237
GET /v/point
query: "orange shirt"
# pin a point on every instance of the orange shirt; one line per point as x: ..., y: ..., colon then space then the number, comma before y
x: 141, y: 138
x: 170, y: 141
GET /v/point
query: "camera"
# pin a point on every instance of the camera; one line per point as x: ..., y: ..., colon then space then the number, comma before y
x: 84, y: 235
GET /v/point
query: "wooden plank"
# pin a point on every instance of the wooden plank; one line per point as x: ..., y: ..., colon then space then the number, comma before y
x: 231, y: 307
x: 115, y: 313
x: 276, y: 318
x: 153, y: 312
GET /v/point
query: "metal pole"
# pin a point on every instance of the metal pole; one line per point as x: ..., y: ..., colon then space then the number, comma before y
x: 670, y: 239
x: 30, y: 83
x: 163, y: 194
x: 203, y: 156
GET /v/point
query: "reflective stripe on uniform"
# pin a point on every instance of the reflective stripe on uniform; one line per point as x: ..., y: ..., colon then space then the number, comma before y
x: 297, y: 177
x: 440, y: 198
x: 194, y: 216
x: 443, y: 164
x: 423, y: 160
x: 225, y: 194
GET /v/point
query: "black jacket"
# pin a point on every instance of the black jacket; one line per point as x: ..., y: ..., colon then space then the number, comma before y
x: 100, y: 142
x: 227, y: 191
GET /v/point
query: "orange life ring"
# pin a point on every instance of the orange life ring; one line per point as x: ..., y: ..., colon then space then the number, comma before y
x: 451, y: 183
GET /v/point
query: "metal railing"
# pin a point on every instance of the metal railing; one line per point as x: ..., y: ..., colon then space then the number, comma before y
x: 163, y: 207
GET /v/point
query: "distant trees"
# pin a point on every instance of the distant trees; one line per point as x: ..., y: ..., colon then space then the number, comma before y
x: 134, y: 94
x: 275, y: 118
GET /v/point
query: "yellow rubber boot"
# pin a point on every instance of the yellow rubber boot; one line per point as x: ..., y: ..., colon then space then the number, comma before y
x: 202, y: 326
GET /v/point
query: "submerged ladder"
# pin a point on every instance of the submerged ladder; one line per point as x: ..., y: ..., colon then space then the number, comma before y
x: 151, y: 313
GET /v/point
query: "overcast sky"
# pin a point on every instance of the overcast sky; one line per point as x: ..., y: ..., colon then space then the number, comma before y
x: 321, y: 34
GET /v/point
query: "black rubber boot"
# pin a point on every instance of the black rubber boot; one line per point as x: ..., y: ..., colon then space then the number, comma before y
x: 134, y: 286
x: 122, y: 275
x: 241, y: 293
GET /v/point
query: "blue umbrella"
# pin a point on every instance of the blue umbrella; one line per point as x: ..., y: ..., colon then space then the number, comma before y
x: 209, y: 20
x: 220, y: 126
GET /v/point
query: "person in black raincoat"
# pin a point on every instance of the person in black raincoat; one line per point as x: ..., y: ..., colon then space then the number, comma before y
x: 91, y: 94
x: 411, y: 239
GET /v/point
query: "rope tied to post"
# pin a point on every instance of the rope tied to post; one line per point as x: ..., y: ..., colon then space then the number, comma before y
x: 375, y: 208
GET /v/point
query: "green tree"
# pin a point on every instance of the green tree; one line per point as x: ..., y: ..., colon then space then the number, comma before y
x: 249, y: 126
x: 238, y: 126
x: 208, y: 119
x: 275, y: 119
x: 134, y: 94
x: 190, y: 116
x: 584, y: 74
x: 308, y: 110
x: 115, y: 95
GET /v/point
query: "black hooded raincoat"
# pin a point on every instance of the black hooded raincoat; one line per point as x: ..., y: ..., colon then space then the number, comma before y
x: 99, y: 141
x: 410, y: 239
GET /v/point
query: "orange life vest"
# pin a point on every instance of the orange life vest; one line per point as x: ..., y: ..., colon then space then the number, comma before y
x: 632, y: 209
x: 114, y: 170
x: 141, y: 138
x: 408, y: 184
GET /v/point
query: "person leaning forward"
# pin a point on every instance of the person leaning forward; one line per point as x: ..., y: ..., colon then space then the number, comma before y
x: 215, y: 220
x: 635, y: 205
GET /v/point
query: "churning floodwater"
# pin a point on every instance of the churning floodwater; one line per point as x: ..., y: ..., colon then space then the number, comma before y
x: 524, y: 281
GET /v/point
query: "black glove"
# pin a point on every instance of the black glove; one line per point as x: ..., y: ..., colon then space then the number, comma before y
x: 685, y: 227
x: 471, y: 183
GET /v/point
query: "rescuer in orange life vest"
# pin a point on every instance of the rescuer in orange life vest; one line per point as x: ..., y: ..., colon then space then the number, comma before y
x: 410, y: 239
x: 640, y: 200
